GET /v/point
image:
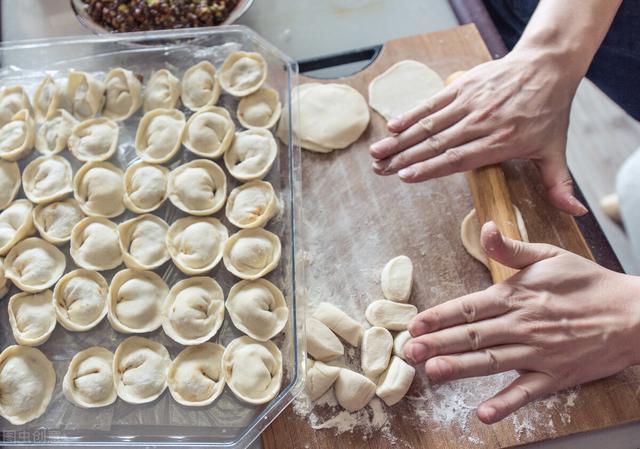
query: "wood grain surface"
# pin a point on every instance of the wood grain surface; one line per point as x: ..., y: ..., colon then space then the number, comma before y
x: 355, y: 221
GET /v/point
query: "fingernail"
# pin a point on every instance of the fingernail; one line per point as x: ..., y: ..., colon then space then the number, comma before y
x: 578, y: 205
x: 417, y: 328
x: 418, y: 351
x: 407, y: 173
x: 490, y: 413
x: 395, y: 122
x: 444, y: 369
x: 379, y: 146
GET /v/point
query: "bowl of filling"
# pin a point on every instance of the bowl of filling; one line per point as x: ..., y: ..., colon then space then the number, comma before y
x: 109, y: 16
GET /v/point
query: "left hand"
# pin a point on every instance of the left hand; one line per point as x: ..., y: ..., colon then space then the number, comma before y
x: 561, y: 321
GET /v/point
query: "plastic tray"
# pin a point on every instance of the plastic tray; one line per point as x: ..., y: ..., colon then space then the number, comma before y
x: 228, y: 422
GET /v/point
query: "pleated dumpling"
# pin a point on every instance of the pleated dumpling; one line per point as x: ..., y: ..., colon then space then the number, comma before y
x: 243, y: 73
x: 209, y: 132
x: 95, y: 245
x: 88, y: 382
x: 196, y: 244
x: 34, y: 265
x: 200, y: 86
x: 195, y: 375
x: 12, y: 100
x: 252, y: 204
x: 4, y: 282
x: 198, y: 187
x: 55, y: 221
x: 47, y: 178
x: 80, y: 300
x: 46, y: 99
x: 53, y: 135
x: 17, y: 136
x: 261, y: 109
x: 159, y: 135
x: 162, y: 91
x: 95, y: 139
x: 143, y: 242
x: 16, y: 222
x: 193, y: 311
x: 99, y: 189
x: 32, y: 317
x: 85, y: 94
x: 145, y: 187
x: 251, y: 154
x: 252, y: 253
x: 123, y: 94
x: 9, y: 182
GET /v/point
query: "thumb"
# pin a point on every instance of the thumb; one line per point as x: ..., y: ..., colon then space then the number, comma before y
x: 513, y: 253
x: 559, y: 184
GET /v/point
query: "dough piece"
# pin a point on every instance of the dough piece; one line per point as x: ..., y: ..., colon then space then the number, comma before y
x: 159, y: 135
x: 17, y: 136
x: 209, y: 132
x: 196, y: 244
x: 143, y: 242
x: 88, y: 382
x: 27, y: 381
x: 46, y: 99
x: 261, y: 109
x: 198, y: 187
x: 396, y: 381
x: 251, y: 155
x: 402, y: 87
x: 95, y: 244
x: 53, y: 135
x: 243, y: 73
x: 252, y: 369
x: 123, y: 95
x: 55, y: 221
x: 399, y: 342
x: 194, y: 310
x: 80, y: 300
x: 4, y: 283
x: 86, y: 95
x: 339, y: 322
x: 34, y: 265
x: 200, y: 86
x: 252, y: 253
x: 12, y: 100
x: 320, y: 377
x: 9, y: 182
x: 470, y: 235
x: 99, y: 189
x: 397, y: 279
x: 257, y: 308
x: 391, y: 315
x: 16, y: 222
x: 95, y: 139
x: 145, y: 187
x: 377, y: 344
x: 135, y: 301
x: 322, y: 343
x: 610, y: 205
x: 162, y: 91
x: 47, y: 178
x: 251, y: 205
x: 195, y: 376
x: 353, y: 390
x: 329, y: 117
x: 32, y: 317
x: 140, y: 370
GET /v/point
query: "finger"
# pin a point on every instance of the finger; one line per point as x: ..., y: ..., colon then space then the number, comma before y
x: 477, y: 363
x: 513, y: 253
x: 526, y: 388
x: 559, y: 184
x: 465, y: 309
x: 434, y: 104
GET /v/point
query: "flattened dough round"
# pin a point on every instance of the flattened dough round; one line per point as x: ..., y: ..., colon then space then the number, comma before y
x: 88, y: 382
x: 195, y: 376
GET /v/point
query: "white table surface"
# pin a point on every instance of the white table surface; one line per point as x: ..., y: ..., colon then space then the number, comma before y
x: 305, y: 29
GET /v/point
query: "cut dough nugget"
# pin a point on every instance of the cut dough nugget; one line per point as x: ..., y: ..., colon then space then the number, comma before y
x: 320, y: 377
x: 80, y: 300
x: 396, y: 381
x: 391, y: 315
x: 99, y: 189
x: 55, y: 221
x: 397, y: 278
x: 252, y: 253
x: 88, y: 382
x: 196, y: 244
x: 34, y: 265
x: 322, y: 343
x: 377, y: 344
x: 353, y: 390
x: 95, y: 245
x: 145, y: 187
x: 251, y: 205
x: 198, y: 187
x: 339, y: 322
x: 143, y: 242
x: 195, y: 376
x: 32, y: 317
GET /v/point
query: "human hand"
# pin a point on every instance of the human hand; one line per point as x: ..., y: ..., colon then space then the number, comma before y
x: 561, y: 321
x: 516, y: 107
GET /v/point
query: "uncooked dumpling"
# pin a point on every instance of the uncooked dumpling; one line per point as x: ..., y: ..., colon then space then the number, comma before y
x: 193, y: 311
x: 198, y: 187
x: 257, y: 308
x: 353, y: 390
x: 145, y: 187
x: 16, y: 222
x: 162, y: 91
x: 46, y: 99
x: 54, y: 221
x: 253, y: 369
x: 397, y: 278
x: 135, y: 301
x: 4, y: 283
x: 243, y: 73
x: 261, y: 109
x: 140, y: 370
x: 53, y: 135
x: 320, y: 377
x: 99, y: 190
x: 12, y: 100
x: 95, y: 244
x: 17, y: 136
x: 195, y: 376
x: 251, y: 155
x: 123, y: 95
x: 80, y: 300
x: 391, y: 315
x: 94, y: 139
x: 252, y: 204
x: 209, y: 132
x: 47, y: 178
x: 252, y: 253
x: 200, y: 86
x: 85, y: 94
x: 159, y: 135
x: 34, y: 265
x: 88, y: 382
x: 402, y: 87
x: 9, y: 182
x: 27, y: 380
x: 196, y: 244
x: 32, y: 317
x: 142, y: 240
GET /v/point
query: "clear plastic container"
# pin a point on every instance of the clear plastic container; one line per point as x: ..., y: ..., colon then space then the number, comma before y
x: 228, y: 422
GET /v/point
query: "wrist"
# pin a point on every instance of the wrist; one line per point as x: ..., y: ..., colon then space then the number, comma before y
x: 564, y: 58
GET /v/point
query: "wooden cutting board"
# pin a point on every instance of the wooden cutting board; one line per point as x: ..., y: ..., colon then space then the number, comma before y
x: 354, y: 221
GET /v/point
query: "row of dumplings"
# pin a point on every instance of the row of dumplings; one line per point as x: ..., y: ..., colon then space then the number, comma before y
x: 139, y: 372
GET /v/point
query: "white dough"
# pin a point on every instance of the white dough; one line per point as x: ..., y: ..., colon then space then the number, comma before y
x: 251, y: 154
x: 159, y: 135
x: 198, y: 187
x: 12, y: 100
x: 261, y: 109
x: 80, y: 300
x: 55, y: 221
x: 399, y: 342
x: 377, y: 344
x: 32, y: 317
x: 209, y: 132
x: 47, y: 178
x: 252, y: 204
x: 243, y: 73
x: 339, y: 322
x: 88, y: 382
x: 17, y: 136
x: 397, y: 279
x: 16, y: 222
x: 320, y: 377
x: 123, y: 95
x: 610, y: 205
x: 252, y: 253
x: 143, y: 242
x: 9, y: 182
x: 162, y: 91
x: 53, y: 135
x: 86, y: 95
x: 396, y: 381
x: 99, y: 189
x: 46, y: 99
x: 95, y: 244
x: 322, y: 343
x: 353, y: 390
x: 196, y: 244
x: 34, y: 265
x: 4, y: 283
x: 195, y: 376
x: 145, y: 187
x: 391, y: 315
x: 95, y: 139
x: 200, y: 86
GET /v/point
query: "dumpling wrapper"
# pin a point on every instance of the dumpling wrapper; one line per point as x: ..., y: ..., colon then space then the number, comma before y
x: 195, y: 376
x: 145, y: 187
x: 55, y: 221
x: 88, y: 382
x: 196, y: 244
x: 34, y: 265
x: 80, y: 300
x: 95, y: 244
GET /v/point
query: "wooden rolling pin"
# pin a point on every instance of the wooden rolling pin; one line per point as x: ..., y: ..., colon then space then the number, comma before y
x: 493, y: 203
